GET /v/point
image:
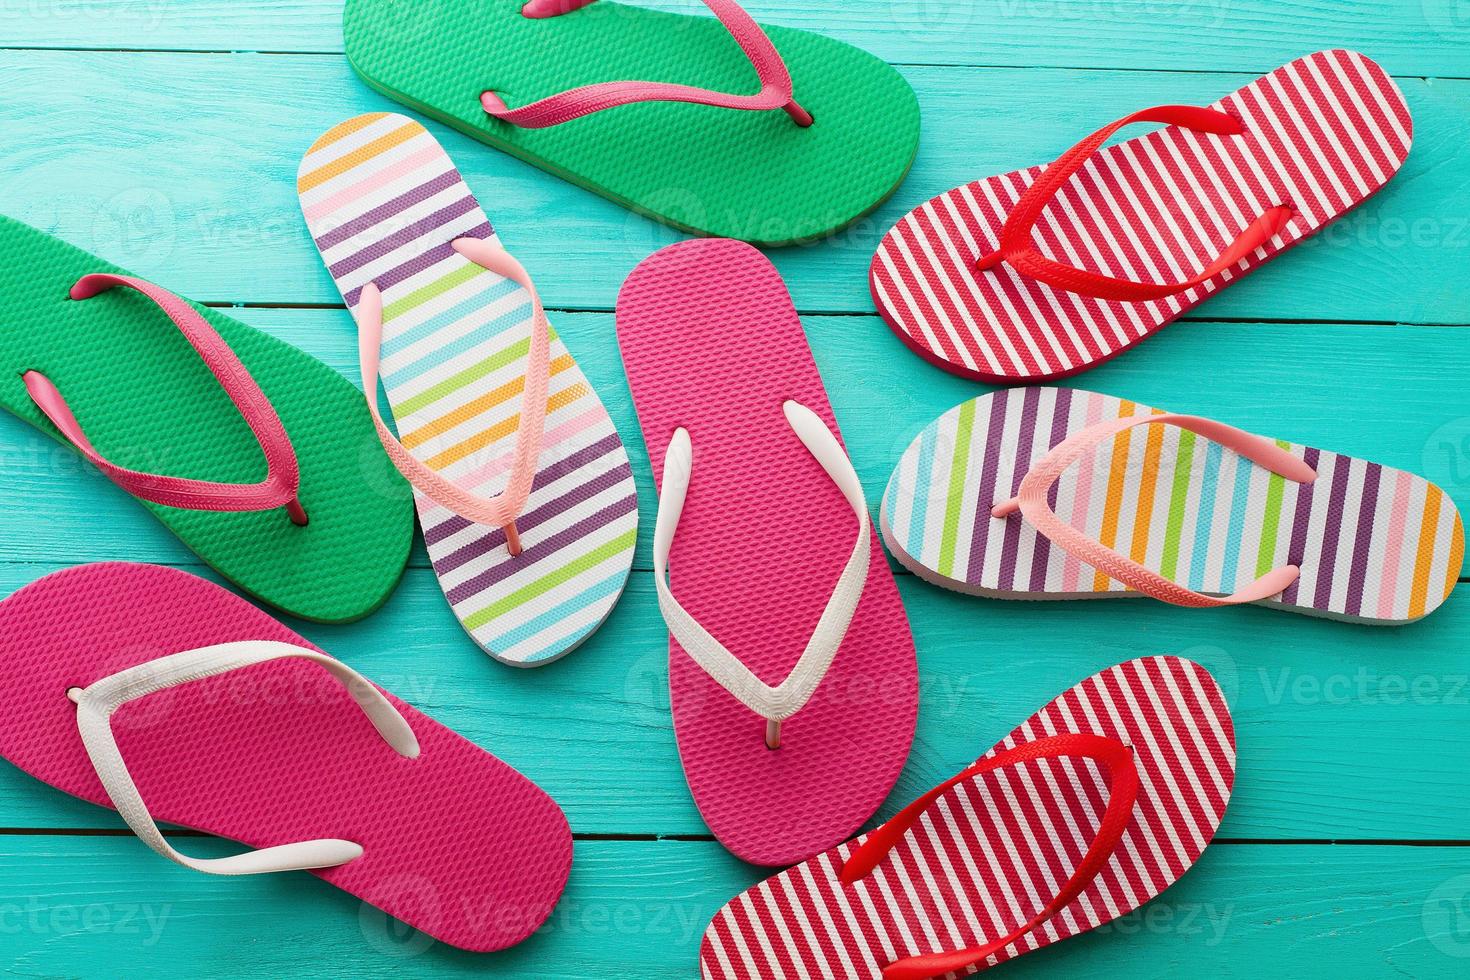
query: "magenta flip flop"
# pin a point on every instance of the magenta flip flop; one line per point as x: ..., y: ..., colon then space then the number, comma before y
x: 1088, y: 810
x: 168, y: 698
x: 791, y: 666
x: 1045, y: 272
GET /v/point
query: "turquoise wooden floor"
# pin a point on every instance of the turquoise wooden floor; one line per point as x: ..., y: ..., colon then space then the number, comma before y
x: 165, y: 136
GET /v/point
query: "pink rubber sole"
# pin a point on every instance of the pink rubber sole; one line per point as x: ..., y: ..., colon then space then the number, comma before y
x: 711, y: 343
x: 455, y: 843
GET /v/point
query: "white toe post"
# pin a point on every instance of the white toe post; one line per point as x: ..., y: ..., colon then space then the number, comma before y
x: 774, y: 704
x: 97, y: 702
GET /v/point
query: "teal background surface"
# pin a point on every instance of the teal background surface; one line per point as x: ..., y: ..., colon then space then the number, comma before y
x: 165, y: 136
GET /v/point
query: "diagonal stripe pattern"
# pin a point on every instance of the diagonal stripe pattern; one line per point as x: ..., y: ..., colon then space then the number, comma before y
x: 383, y: 203
x: 1322, y: 134
x: 995, y: 848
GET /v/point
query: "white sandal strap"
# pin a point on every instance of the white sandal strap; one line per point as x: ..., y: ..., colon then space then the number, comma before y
x: 775, y: 704
x: 97, y: 702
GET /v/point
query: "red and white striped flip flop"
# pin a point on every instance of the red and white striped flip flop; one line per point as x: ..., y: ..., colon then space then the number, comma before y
x: 1042, y: 273
x: 1091, y: 808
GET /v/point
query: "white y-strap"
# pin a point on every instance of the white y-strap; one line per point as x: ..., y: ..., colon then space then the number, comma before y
x: 96, y: 703
x: 778, y: 703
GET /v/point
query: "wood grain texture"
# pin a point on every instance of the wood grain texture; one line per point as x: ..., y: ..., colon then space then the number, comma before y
x: 181, y: 166
x: 635, y: 910
x: 191, y: 182
x: 1419, y: 37
x: 883, y: 396
x: 1320, y: 707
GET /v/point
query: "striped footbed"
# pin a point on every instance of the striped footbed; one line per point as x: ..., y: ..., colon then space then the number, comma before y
x: 384, y: 202
x: 1322, y: 134
x: 995, y: 848
x: 1373, y: 543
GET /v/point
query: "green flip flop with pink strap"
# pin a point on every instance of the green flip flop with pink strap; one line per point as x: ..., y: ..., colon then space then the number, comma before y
x: 260, y: 458
x: 766, y: 134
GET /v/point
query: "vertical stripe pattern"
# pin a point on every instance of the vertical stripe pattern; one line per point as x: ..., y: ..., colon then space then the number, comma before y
x: 994, y: 849
x: 1322, y: 134
x: 383, y: 203
x: 1373, y: 543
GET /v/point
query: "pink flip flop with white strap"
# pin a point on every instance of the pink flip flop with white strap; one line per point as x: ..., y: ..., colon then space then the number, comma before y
x: 791, y: 667
x: 163, y: 696
x: 1049, y: 271
x: 1094, y: 806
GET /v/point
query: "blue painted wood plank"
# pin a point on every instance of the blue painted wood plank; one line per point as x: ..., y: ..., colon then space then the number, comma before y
x: 1281, y: 380
x: 635, y: 910
x: 1421, y: 37
x: 1322, y: 708
x: 191, y: 182
x: 188, y: 178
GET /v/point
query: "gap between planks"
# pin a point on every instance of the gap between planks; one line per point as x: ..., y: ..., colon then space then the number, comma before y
x: 226, y: 52
x: 709, y: 838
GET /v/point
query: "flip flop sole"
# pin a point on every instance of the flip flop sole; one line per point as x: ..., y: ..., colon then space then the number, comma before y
x: 711, y: 342
x: 995, y: 848
x: 747, y: 175
x: 383, y: 203
x: 455, y: 842
x: 1323, y: 134
x: 1374, y: 544
x: 148, y: 402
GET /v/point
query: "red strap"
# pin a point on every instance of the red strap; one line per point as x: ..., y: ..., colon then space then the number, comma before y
x: 283, y: 477
x: 1122, y: 774
x: 1017, y: 251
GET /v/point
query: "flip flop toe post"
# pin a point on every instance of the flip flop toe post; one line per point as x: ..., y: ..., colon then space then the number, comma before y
x: 828, y: 132
x: 1041, y: 273
x: 162, y: 695
x: 258, y: 457
x: 1057, y: 493
x: 791, y: 666
x: 1093, y: 807
x: 523, y: 486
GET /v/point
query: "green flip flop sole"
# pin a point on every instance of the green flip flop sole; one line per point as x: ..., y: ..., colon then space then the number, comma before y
x: 148, y: 402
x: 754, y: 176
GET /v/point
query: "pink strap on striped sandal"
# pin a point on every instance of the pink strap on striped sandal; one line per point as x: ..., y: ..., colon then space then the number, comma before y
x: 1017, y: 251
x: 501, y: 510
x: 1031, y: 500
x: 283, y: 478
x: 775, y: 93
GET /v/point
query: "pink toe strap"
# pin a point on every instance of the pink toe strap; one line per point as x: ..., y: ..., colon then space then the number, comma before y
x: 770, y: 70
x: 1031, y: 501
x: 502, y: 509
x: 282, y: 479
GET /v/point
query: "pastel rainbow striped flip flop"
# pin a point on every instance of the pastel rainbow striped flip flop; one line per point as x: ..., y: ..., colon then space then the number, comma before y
x: 1044, y: 272
x: 1055, y: 493
x: 529, y: 516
